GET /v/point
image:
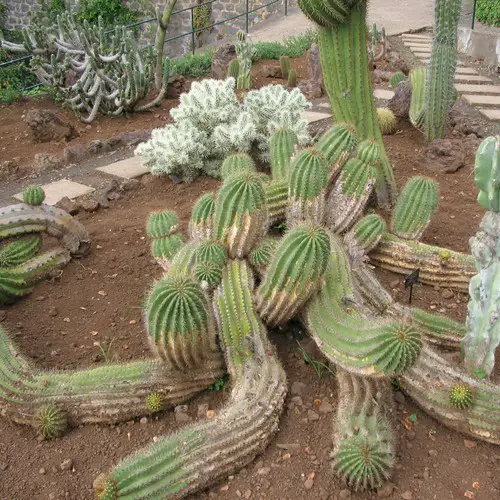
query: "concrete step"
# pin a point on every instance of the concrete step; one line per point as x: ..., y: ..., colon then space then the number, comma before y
x: 411, y: 36
x: 472, y: 78
x: 126, y: 169
x: 491, y: 114
x: 484, y: 100
x: 466, y: 71
x: 427, y: 60
x: 471, y: 88
x: 56, y: 191
x: 416, y: 45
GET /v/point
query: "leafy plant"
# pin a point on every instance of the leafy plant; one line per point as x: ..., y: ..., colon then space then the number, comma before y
x: 488, y: 12
x: 111, y: 12
x: 202, y: 17
x: 220, y: 383
x: 319, y: 367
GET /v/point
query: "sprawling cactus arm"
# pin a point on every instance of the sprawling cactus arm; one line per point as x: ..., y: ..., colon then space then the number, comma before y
x: 364, y: 444
x: 201, y: 454
x: 179, y: 322
x: 417, y: 103
x: 429, y: 383
x: 374, y: 295
x: 337, y: 143
x: 439, y: 92
x: 240, y: 213
x: 438, y: 266
x: 202, y: 218
x: 487, y: 173
x: 294, y: 273
x: 282, y: 148
x: 108, y: 394
x: 19, y: 251
x: 344, y: 59
x: 21, y: 219
x: 483, y: 319
x: 350, y: 195
x: 276, y: 200
x: 361, y: 344
x: 438, y: 329
x: 15, y: 282
x: 237, y: 163
x: 415, y: 206
x: 307, y: 188
x: 364, y: 236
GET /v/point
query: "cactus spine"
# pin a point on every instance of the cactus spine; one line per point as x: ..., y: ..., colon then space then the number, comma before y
x: 440, y: 91
x: 307, y: 188
x: 202, y: 218
x: 336, y: 144
x: 416, y: 204
x: 233, y: 69
x: 19, y: 251
x: 292, y: 78
x: 282, y: 148
x: 396, y: 79
x: 237, y: 163
x: 417, y: 103
x: 285, y: 66
x: 386, y: 120
x: 293, y: 274
x: 240, y: 213
x: 344, y: 59
x: 33, y: 195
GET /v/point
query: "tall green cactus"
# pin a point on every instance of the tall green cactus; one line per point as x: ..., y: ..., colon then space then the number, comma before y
x: 282, y: 148
x: 293, y: 274
x: 483, y: 320
x: 344, y: 59
x: 440, y: 92
x: 416, y: 204
x: 236, y: 163
x: 417, y: 110
x: 307, y: 188
x: 240, y: 213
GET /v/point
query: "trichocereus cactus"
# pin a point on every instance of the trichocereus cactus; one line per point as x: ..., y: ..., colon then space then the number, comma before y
x: 440, y: 91
x: 416, y: 113
x: 345, y: 64
x: 483, y: 320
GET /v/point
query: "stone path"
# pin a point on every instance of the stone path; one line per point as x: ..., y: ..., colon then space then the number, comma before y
x: 475, y: 89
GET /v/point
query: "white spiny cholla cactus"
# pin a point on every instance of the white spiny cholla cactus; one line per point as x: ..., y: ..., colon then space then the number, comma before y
x: 210, y: 123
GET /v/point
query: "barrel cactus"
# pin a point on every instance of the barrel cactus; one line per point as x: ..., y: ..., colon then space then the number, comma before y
x: 33, y: 195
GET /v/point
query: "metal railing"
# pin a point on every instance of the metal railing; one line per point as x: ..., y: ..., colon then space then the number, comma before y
x: 192, y: 33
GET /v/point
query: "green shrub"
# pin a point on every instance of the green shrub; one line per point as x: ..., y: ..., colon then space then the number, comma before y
x: 293, y: 46
x: 488, y: 12
x: 112, y: 12
x: 193, y: 66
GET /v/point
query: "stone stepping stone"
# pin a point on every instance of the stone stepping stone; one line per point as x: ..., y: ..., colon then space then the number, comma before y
x: 467, y: 71
x: 427, y: 60
x: 413, y: 45
x: 491, y: 114
x: 324, y: 105
x: 422, y: 50
x: 410, y: 36
x: 383, y: 94
x: 485, y: 100
x: 472, y: 78
x: 471, y: 88
x: 56, y: 191
x: 314, y: 116
x: 126, y: 169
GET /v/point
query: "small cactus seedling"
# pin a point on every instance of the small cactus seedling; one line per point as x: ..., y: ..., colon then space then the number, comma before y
x: 154, y: 402
x: 52, y: 422
x: 285, y: 66
x: 33, y: 195
x: 386, y: 120
x: 233, y: 69
x: 461, y: 396
x: 396, y: 79
x: 292, y: 78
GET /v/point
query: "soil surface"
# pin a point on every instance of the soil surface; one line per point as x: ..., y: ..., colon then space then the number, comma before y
x: 92, y: 313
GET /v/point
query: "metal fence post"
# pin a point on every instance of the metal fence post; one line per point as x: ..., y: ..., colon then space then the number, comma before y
x: 193, y: 48
x: 473, y: 13
x: 246, y: 16
x: 286, y: 7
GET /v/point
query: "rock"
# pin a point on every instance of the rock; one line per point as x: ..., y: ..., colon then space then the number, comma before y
x: 45, y: 162
x: 89, y: 205
x: 67, y: 464
x: 202, y: 410
x: 298, y: 389
x: 181, y: 416
x: 101, y: 146
x: 309, y: 484
x: 297, y: 401
x: 433, y: 453
x: 41, y: 471
x: 400, y: 103
x: 312, y: 416
x: 101, y: 199
x: 313, y: 88
x: 143, y: 420
x: 345, y: 493
x: 394, y: 283
x: 264, y: 471
x: 74, y: 153
x: 130, y: 185
x: 399, y: 397
x: 407, y: 495
x: 176, y: 86
x: 68, y: 206
x: 46, y: 126
x: 398, y: 64
x: 270, y: 71
x: 380, y: 76
x: 447, y: 294
x: 325, y: 407
x: 4, y: 466
x: 469, y: 444
x: 8, y: 168
x: 310, y: 89
x: 53, y: 311
x: 135, y: 137
x: 386, y: 490
x: 3, y: 315
x: 445, y: 155
x: 221, y: 59
x: 112, y: 187
x: 247, y: 494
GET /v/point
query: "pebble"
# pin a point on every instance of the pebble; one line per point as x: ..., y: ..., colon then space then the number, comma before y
x: 453, y: 461
x: 41, y: 471
x: 67, y: 464
x: 312, y: 416
x: 298, y: 389
x: 399, y: 397
x: 433, y: 453
x: 4, y: 465
x: 469, y: 444
x: 386, y: 490
x: 427, y: 474
x: 345, y: 493
x: 143, y: 420
x: 297, y: 401
x: 53, y: 311
x: 325, y: 407
x: 181, y: 416
x: 394, y: 283
x: 407, y: 495
x: 264, y: 471
x: 309, y: 484
x: 248, y: 494
x: 447, y: 294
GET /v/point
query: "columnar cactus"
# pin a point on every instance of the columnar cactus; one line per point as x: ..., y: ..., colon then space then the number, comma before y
x: 284, y: 66
x: 276, y: 200
x: 415, y: 206
x: 240, y: 213
x: 417, y: 103
x: 292, y: 78
x: 487, y: 174
x: 344, y: 59
x: 440, y: 91
x: 202, y: 218
x: 237, y: 163
x: 233, y: 69
x: 307, y: 188
x: 282, y: 148
x: 294, y: 273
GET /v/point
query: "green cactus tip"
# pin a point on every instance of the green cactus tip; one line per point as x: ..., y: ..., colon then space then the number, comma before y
x: 396, y: 79
x: 107, y: 490
x: 154, y: 402
x: 33, y: 195
x: 51, y: 421
x: 461, y: 396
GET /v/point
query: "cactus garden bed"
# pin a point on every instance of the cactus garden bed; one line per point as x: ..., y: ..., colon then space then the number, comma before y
x: 92, y: 312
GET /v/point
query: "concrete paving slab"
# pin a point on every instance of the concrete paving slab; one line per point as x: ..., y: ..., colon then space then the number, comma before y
x: 415, y: 36
x: 485, y: 100
x: 414, y: 45
x: 472, y: 78
x: 422, y: 51
x: 314, y: 116
x: 466, y: 71
x: 471, y: 88
x: 383, y: 94
x: 127, y: 169
x: 427, y: 60
x: 491, y: 114
x: 325, y: 105
x: 56, y: 191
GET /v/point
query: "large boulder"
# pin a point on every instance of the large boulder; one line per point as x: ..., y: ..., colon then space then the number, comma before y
x: 221, y: 59
x: 46, y: 126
